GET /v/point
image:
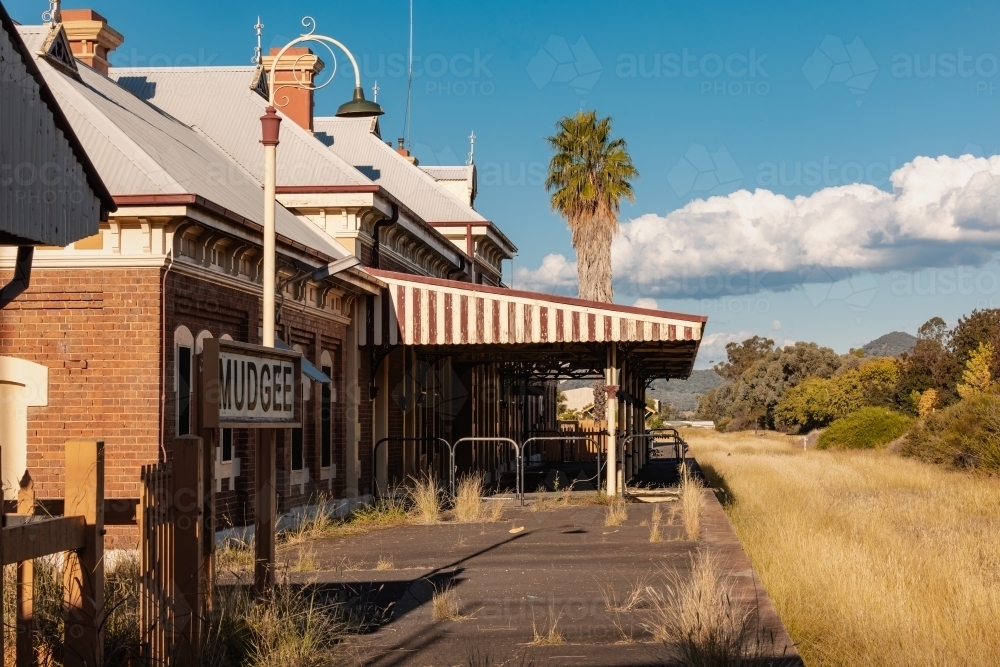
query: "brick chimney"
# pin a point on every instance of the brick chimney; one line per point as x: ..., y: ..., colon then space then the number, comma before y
x: 298, y: 66
x: 405, y: 153
x: 90, y: 37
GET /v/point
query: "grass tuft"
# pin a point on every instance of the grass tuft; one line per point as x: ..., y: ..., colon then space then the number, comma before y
x: 692, y: 502
x: 469, y: 498
x: 696, y: 618
x: 617, y: 513
x: 444, y: 603
x: 425, y: 500
x: 551, y: 634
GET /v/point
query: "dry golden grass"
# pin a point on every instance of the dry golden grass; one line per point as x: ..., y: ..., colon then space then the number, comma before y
x: 696, y: 617
x: 692, y: 502
x: 551, y: 635
x: 384, y: 563
x: 617, y: 513
x: 425, y: 498
x: 654, y: 533
x: 444, y: 604
x: 469, y: 504
x: 870, y: 558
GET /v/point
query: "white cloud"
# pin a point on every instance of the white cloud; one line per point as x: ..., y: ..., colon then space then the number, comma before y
x: 713, y: 347
x: 646, y: 302
x: 941, y: 212
x: 776, y: 325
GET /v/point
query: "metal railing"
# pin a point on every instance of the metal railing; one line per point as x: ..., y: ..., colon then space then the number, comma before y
x: 518, y: 484
x: 450, y: 447
x: 590, y: 438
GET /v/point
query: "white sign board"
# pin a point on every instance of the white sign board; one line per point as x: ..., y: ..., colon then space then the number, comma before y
x: 249, y: 386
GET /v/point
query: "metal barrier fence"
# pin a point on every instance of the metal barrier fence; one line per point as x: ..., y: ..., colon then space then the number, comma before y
x: 519, y: 481
x: 524, y: 450
x: 449, y: 446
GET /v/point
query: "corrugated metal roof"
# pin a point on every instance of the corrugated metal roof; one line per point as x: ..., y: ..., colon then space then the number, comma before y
x: 427, y: 311
x: 54, y: 195
x: 141, y: 150
x: 220, y: 101
x: 353, y: 139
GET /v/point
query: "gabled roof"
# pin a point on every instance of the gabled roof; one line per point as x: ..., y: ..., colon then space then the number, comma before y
x: 355, y: 140
x: 37, y: 85
x: 221, y: 101
x: 141, y: 152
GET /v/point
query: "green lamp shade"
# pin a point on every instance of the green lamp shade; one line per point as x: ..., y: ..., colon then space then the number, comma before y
x: 359, y: 107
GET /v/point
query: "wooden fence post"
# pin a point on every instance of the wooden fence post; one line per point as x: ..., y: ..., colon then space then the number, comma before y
x: 189, y: 533
x: 25, y: 582
x: 83, y: 585
x: 265, y: 510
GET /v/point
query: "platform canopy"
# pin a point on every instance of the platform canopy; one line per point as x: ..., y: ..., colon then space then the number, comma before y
x: 530, y: 333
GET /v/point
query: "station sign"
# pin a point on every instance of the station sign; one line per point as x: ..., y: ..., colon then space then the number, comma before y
x: 250, y: 386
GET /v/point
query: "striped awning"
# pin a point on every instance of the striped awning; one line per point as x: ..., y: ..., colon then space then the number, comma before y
x: 428, y: 311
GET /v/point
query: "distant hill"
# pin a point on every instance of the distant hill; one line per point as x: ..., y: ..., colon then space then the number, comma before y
x: 890, y: 345
x: 682, y: 394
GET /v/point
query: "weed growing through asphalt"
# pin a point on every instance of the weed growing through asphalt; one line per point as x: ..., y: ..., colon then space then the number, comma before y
x: 696, y: 618
x: 444, y: 603
x: 469, y: 497
x: 551, y: 634
x: 425, y: 500
x: 692, y: 502
x: 617, y: 513
x: 654, y: 527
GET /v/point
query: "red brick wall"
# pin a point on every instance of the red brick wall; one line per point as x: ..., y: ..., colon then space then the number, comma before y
x: 98, y: 332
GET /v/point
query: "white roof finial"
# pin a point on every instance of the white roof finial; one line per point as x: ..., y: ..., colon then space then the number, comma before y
x: 54, y: 13
x: 472, y: 149
x: 257, y: 52
x: 375, y: 90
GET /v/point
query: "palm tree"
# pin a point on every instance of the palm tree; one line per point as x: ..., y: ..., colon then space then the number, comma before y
x: 590, y: 173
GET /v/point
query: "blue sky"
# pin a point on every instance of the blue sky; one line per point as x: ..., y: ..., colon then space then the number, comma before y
x: 792, y: 98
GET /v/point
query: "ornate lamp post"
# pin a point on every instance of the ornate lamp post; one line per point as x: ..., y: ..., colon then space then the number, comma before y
x: 265, y: 505
x: 270, y: 126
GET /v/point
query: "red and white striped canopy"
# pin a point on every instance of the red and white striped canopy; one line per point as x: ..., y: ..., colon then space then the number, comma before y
x: 428, y: 311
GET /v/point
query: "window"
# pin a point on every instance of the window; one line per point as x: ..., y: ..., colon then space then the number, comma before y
x: 183, y: 390
x: 297, y: 458
x: 326, y: 421
x: 227, y: 445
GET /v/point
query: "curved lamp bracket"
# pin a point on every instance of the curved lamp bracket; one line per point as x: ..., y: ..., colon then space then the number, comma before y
x: 328, y: 43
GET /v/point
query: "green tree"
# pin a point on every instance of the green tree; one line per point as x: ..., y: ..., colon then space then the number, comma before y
x: 741, y: 356
x: 590, y: 174
x: 977, y: 378
x: 929, y: 365
x: 979, y: 326
x: 760, y: 388
x: 817, y: 401
x: 933, y: 329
